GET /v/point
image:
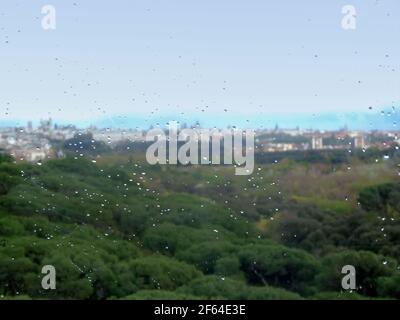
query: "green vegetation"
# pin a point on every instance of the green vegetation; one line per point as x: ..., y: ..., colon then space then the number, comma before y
x: 118, y: 228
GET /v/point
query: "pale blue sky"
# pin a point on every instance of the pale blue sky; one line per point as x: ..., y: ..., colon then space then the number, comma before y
x: 253, y: 57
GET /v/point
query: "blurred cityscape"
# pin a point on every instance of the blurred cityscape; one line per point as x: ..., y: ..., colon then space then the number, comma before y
x: 44, y: 141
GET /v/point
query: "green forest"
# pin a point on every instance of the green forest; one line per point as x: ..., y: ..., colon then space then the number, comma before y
x: 115, y: 227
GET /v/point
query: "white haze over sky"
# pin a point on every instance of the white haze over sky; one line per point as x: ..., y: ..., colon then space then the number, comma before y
x: 193, y: 59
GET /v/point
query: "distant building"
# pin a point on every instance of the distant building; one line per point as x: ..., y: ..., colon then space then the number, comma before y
x: 276, y: 147
x: 316, y: 143
x: 359, y: 142
x: 35, y: 155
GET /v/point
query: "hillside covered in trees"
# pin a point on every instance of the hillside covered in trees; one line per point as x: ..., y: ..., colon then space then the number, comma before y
x: 117, y: 228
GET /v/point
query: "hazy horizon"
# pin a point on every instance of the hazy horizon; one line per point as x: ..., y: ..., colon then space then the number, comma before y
x: 386, y: 119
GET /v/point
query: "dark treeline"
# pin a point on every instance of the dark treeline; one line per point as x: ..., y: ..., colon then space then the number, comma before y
x: 333, y: 156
